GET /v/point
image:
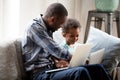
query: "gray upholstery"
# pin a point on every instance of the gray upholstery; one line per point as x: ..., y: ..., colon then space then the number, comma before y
x: 19, y: 65
x: 11, y: 65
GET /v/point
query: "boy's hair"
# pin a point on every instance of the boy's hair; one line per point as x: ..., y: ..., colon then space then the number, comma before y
x: 70, y: 24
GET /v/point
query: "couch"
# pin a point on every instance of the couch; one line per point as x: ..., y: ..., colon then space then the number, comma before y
x: 11, y: 64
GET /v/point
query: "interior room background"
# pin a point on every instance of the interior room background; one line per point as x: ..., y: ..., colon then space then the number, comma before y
x: 16, y: 14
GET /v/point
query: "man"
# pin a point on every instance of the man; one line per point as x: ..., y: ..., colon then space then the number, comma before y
x: 41, y: 53
x: 39, y: 48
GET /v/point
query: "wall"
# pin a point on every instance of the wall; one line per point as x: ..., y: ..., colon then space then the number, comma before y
x: 30, y: 9
x: 33, y: 9
x: 83, y: 6
x: 16, y: 14
x: 1, y: 16
x: 9, y: 17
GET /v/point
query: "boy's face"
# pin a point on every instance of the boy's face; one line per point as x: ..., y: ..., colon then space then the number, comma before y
x: 72, y: 35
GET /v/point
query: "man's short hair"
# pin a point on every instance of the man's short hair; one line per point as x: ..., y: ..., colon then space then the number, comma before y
x: 70, y: 24
x: 56, y: 9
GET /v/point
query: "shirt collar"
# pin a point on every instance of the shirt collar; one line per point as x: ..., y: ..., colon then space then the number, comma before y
x: 49, y: 31
x: 67, y: 46
x: 42, y: 22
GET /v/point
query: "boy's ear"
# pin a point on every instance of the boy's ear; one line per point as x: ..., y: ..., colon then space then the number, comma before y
x: 64, y: 34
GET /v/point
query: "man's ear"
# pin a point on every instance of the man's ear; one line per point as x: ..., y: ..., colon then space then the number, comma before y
x: 52, y: 19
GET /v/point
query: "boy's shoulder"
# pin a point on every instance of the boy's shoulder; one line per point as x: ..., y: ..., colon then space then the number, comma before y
x: 64, y: 45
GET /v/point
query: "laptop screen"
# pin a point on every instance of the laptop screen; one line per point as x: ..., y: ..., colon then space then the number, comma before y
x: 80, y: 55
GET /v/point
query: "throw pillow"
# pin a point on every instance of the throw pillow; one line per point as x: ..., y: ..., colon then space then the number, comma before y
x: 100, y: 40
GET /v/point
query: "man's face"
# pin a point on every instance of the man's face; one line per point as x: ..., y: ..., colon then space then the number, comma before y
x: 57, y: 22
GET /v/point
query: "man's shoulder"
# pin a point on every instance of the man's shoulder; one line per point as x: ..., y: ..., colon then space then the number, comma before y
x: 39, y: 23
x: 35, y: 24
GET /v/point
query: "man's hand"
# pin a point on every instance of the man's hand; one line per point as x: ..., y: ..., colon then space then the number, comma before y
x: 61, y: 63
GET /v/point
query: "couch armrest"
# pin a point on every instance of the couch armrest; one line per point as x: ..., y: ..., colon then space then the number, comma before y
x: 20, y: 65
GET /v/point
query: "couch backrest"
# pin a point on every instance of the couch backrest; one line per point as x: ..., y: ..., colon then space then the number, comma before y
x: 11, y: 62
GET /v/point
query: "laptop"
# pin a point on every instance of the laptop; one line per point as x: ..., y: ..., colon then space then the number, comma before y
x: 78, y: 58
x: 96, y: 57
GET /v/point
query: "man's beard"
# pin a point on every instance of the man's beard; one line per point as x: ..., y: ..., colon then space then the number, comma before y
x: 52, y: 28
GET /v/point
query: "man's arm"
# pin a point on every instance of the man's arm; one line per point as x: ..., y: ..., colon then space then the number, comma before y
x: 41, y: 38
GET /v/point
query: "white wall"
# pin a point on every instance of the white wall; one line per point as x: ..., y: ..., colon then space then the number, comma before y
x: 9, y: 18
x: 16, y: 14
x: 83, y: 11
x: 1, y: 17
x: 30, y: 9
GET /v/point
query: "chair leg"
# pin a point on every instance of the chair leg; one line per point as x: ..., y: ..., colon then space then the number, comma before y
x: 118, y: 26
x: 108, y: 24
x: 98, y: 23
x: 87, y: 28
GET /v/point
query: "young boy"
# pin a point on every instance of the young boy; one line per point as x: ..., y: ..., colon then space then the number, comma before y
x: 70, y: 31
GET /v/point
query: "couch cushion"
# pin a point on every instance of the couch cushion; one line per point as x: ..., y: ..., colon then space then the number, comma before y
x: 11, y: 62
x: 8, y: 60
x: 100, y: 40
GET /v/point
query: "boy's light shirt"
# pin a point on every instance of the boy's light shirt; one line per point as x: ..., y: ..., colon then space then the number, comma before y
x: 70, y: 49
